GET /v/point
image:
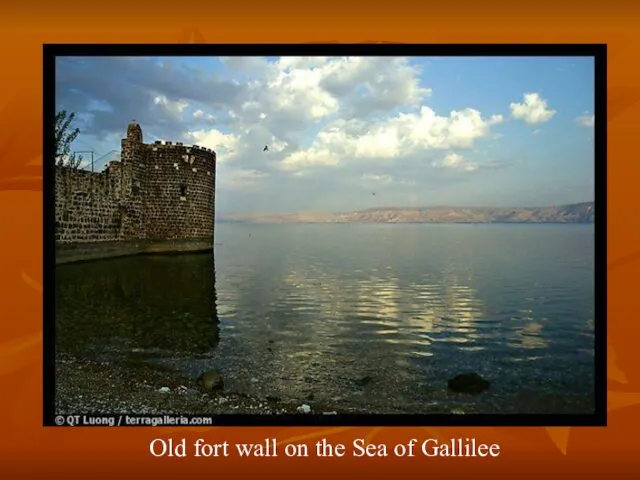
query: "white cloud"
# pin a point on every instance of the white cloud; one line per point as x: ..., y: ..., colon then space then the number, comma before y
x: 316, y: 158
x: 298, y: 90
x: 586, y: 120
x: 224, y: 144
x: 173, y: 108
x: 241, y: 179
x: 369, y: 118
x: 404, y: 134
x: 371, y: 179
x: 199, y: 114
x: 352, y: 103
x: 454, y: 161
x: 533, y: 110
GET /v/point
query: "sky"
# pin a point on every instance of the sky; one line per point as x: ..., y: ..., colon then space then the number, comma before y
x: 348, y: 133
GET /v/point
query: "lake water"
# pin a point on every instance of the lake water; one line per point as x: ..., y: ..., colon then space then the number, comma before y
x: 308, y: 312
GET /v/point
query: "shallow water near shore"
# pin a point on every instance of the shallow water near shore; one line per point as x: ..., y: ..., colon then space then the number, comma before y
x: 374, y: 317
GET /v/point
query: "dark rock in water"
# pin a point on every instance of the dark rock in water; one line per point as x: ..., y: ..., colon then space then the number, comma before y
x: 468, y: 383
x: 210, y: 381
x: 364, y: 381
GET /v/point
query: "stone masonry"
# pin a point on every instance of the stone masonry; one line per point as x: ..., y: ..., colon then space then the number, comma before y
x: 156, y: 192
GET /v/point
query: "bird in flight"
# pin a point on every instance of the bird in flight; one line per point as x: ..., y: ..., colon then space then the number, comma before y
x: 266, y: 147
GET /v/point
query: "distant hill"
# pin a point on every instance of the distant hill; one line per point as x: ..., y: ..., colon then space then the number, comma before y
x: 574, y: 213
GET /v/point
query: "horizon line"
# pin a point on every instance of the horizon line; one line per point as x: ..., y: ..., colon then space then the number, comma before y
x: 256, y: 212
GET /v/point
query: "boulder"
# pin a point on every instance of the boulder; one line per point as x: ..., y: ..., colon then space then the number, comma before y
x: 471, y: 383
x: 210, y: 381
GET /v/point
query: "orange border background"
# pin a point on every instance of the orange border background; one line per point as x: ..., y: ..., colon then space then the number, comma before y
x: 27, y: 450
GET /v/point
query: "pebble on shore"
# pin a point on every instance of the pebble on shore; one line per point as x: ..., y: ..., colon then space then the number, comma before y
x: 84, y: 387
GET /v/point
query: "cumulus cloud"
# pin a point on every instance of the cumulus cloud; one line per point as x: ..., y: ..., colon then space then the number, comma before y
x: 373, y: 179
x: 326, y: 120
x: 532, y: 110
x: 401, y: 135
x: 455, y: 162
x: 225, y: 144
x: 201, y: 115
x: 240, y: 179
x: 586, y: 120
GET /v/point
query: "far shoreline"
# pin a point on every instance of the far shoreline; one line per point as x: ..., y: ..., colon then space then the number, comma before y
x: 570, y: 213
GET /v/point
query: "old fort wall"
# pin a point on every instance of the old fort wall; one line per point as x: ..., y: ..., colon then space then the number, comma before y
x: 162, y: 192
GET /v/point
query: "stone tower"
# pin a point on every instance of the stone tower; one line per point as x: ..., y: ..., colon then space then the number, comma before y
x: 158, y: 197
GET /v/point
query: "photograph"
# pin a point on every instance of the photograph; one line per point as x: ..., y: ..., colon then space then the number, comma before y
x: 309, y: 236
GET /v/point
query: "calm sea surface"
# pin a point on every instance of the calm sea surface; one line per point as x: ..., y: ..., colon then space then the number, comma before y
x: 310, y: 311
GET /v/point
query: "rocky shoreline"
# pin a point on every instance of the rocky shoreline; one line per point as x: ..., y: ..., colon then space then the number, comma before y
x: 91, y: 388
x: 88, y: 387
